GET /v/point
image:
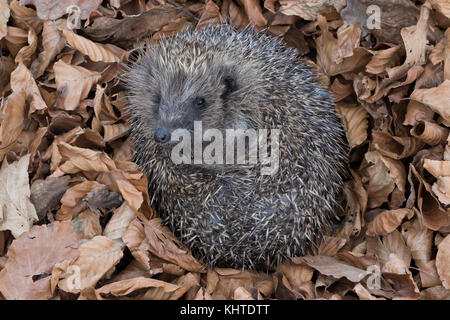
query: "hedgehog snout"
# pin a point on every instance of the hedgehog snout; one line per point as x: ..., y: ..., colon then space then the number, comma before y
x: 162, y: 135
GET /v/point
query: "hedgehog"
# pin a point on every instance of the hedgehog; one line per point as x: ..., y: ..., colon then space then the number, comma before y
x: 230, y: 214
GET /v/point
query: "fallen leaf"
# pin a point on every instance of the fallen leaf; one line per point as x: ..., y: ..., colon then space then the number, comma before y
x: 31, y: 258
x: 97, y: 257
x: 387, y: 221
x: 73, y: 83
x: 443, y: 261
x: 54, y: 9
x: 17, y: 213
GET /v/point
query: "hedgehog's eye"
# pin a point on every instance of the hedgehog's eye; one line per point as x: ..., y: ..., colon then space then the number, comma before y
x: 199, y: 102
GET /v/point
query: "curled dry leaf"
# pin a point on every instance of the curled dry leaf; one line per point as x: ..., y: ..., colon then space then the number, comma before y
x: 87, y: 225
x: 73, y: 83
x: 437, y: 99
x: 333, y: 267
x: 210, y: 16
x: 419, y: 240
x: 31, y: 258
x: 355, y: 123
x: 22, y: 80
x: 97, y: 257
x: 387, y: 221
x: 95, y: 51
x: 25, y: 53
x: 222, y: 282
x: 17, y: 213
x: 131, y: 27
x: 254, y: 12
x: 46, y: 194
x: 13, y: 119
x: 308, y: 10
x: 54, y: 9
x: 164, y: 245
x: 4, y: 17
x: 429, y: 132
x: 72, y: 198
x: 119, y: 222
x: 124, y: 287
x: 52, y: 43
x: 443, y: 262
x: 82, y: 160
x: 340, y: 55
x: 384, y: 176
x: 381, y: 60
x: 417, y: 111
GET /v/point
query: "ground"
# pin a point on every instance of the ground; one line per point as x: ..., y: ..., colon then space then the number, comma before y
x: 75, y: 214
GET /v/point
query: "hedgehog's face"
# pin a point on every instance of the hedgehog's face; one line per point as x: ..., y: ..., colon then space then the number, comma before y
x: 174, y: 95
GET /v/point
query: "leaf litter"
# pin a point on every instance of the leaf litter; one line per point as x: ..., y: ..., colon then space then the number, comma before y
x: 75, y: 214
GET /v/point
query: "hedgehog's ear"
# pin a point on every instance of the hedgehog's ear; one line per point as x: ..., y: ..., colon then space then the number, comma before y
x: 229, y: 82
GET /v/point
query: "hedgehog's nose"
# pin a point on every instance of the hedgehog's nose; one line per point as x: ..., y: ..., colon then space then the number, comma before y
x: 162, y: 135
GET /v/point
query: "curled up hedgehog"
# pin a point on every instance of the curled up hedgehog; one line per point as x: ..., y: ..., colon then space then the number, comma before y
x: 232, y: 214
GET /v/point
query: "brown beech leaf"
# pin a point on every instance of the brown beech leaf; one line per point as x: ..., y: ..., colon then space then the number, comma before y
x: 115, y: 131
x: 164, y: 245
x: 73, y: 83
x: 95, y: 51
x: 340, y: 55
x: 106, y: 29
x: 52, y: 43
x: 12, y: 120
x: 433, y: 214
x: 355, y: 123
x: 381, y: 60
x: 72, y: 198
x: 17, y: 213
x: 97, y: 257
x: 24, y: 56
x: 87, y: 225
x: 210, y: 16
x: 82, y: 159
x: 395, y: 147
x: 54, y: 9
x: 125, y: 287
x: 22, y: 80
x: 34, y: 254
x: 393, y: 243
x: 333, y: 267
x: 384, y: 176
x: 46, y: 194
x: 222, y: 282
x: 443, y: 262
x: 254, y: 12
x: 437, y: 99
x: 394, y: 15
x: 119, y: 222
x: 429, y: 132
x: 441, y: 6
x: 308, y: 10
x: 387, y: 221
x: 419, y: 240
x: 4, y: 17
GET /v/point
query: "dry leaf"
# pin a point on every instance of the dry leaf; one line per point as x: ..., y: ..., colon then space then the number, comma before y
x: 54, y: 9
x: 443, y: 262
x: 164, y: 245
x: 31, y: 258
x: 438, y: 99
x: 97, y: 257
x: 73, y: 83
x: 95, y: 51
x: 4, y: 17
x: 355, y: 123
x: 387, y: 221
x: 17, y: 213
